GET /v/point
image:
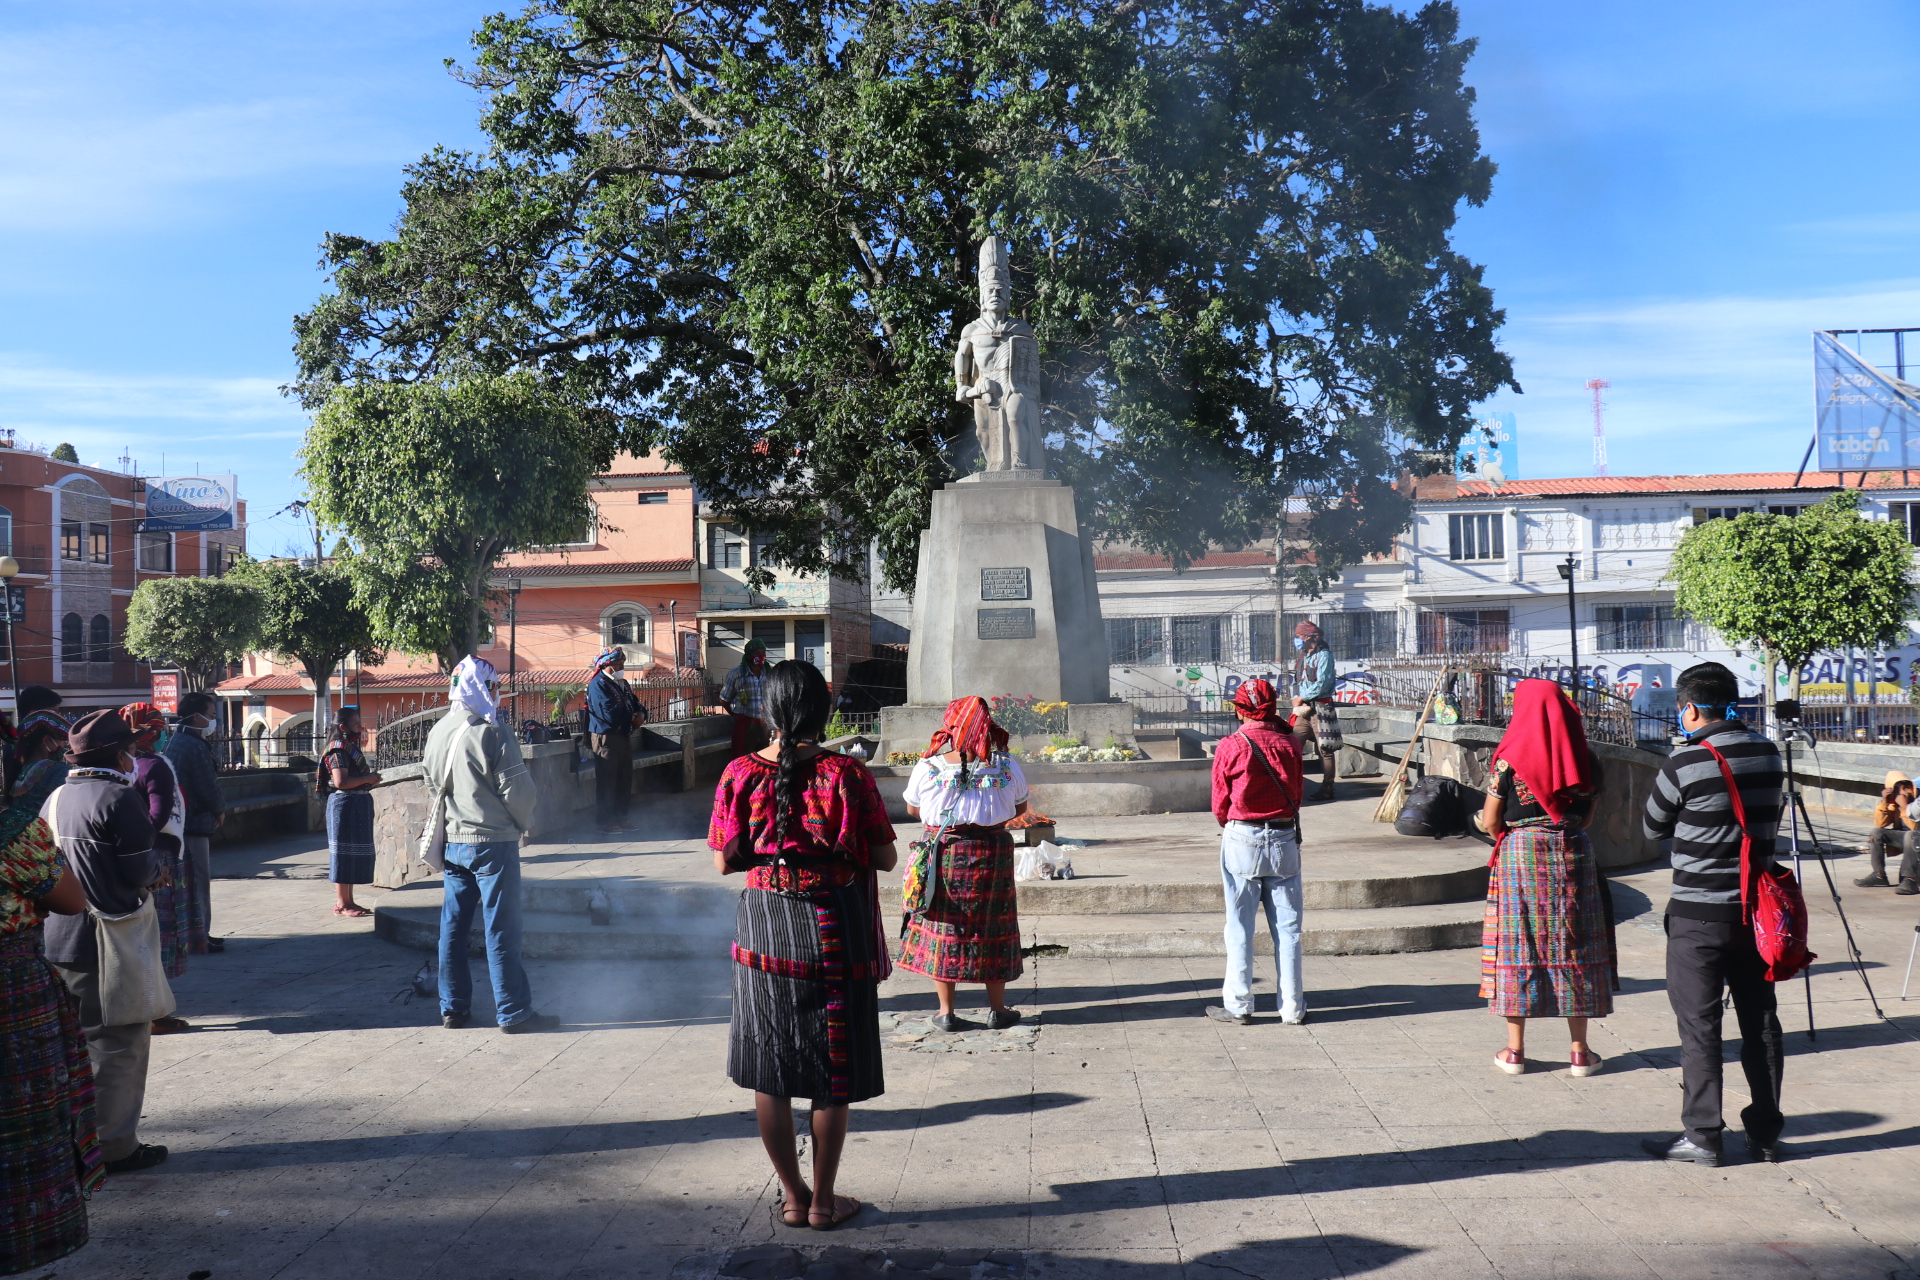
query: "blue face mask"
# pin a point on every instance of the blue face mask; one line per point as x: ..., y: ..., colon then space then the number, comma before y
x: 1298, y: 643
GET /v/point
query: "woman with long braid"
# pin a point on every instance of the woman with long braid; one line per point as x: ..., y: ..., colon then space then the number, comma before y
x: 809, y: 829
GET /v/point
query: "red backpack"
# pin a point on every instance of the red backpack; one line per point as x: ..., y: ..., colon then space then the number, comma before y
x: 1770, y: 899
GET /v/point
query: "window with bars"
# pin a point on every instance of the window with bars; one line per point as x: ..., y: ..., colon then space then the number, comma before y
x: 774, y: 636
x: 1463, y: 631
x: 627, y: 627
x: 726, y: 547
x: 1358, y: 634
x: 762, y: 548
x: 1197, y: 639
x: 1639, y: 627
x: 1261, y: 638
x: 1477, y: 537
x: 1136, y: 640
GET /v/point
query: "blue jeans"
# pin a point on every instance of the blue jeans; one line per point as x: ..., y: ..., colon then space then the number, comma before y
x: 486, y: 876
x: 1260, y: 868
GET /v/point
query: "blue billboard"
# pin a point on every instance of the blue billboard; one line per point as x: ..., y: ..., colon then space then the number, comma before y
x: 1490, y: 450
x: 1866, y: 419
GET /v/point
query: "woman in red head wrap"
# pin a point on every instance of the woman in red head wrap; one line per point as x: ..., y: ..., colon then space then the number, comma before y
x: 182, y: 932
x: 968, y: 788
x: 1547, y: 948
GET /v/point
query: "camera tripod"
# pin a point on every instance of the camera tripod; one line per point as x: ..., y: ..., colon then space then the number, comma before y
x: 1787, y: 714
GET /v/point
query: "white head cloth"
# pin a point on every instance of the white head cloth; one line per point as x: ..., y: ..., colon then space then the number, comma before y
x: 470, y: 688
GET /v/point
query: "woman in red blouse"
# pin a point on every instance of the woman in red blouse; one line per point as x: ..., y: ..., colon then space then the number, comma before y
x: 810, y: 831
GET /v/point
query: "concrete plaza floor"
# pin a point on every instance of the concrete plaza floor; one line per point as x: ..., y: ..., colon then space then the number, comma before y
x: 321, y: 1126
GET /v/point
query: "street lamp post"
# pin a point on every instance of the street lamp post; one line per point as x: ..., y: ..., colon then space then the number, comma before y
x: 513, y: 647
x: 1573, y: 624
x: 8, y: 568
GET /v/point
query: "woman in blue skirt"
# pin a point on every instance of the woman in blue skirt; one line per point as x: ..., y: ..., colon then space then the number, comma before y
x: 345, y: 778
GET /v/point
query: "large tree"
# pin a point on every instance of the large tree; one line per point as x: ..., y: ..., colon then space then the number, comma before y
x: 749, y: 230
x: 309, y: 615
x: 435, y: 482
x: 1827, y: 578
x: 196, y: 624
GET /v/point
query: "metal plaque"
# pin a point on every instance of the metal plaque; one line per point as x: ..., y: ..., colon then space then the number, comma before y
x: 1003, y: 624
x: 1005, y: 584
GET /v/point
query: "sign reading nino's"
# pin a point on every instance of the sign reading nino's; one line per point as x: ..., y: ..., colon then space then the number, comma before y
x: 1005, y: 584
x: 1003, y: 624
x: 1868, y: 419
x: 180, y: 504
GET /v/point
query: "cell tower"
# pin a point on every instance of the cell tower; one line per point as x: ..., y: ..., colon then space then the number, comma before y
x: 1597, y: 385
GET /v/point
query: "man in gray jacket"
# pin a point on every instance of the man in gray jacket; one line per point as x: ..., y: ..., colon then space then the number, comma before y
x: 490, y: 803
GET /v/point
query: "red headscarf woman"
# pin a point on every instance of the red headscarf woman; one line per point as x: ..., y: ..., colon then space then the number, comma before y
x: 968, y: 728
x: 1547, y: 949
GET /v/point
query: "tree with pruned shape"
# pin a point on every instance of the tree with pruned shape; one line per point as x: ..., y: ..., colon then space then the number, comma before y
x: 1793, y: 586
x: 198, y: 625
x: 434, y: 483
x: 749, y: 232
x: 309, y: 616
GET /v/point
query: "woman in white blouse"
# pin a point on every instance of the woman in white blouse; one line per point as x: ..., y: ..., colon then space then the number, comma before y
x: 968, y: 784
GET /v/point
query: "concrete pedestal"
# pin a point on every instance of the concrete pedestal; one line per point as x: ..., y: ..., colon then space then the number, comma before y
x: 1005, y: 601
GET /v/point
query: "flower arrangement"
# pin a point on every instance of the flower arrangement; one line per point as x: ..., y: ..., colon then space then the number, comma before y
x: 1023, y: 716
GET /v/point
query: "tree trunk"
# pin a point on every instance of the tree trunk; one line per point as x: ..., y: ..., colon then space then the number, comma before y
x: 1769, y: 721
x: 322, y: 706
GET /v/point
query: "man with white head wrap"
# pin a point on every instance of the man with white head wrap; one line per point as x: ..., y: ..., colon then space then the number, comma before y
x: 490, y: 803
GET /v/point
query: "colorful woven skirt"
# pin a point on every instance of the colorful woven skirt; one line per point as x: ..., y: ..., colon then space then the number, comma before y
x: 178, y: 909
x: 971, y: 933
x: 806, y: 1005
x: 1547, y: 948
x: 350, y: 837
x: 49, y: 1154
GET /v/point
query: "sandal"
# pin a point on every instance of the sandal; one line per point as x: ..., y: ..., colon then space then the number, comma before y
x: 828, y: 1221
x: 1510, y: 1062
x: 788, y: 1212
x: 1584, y: 1063
x: 356, y: 911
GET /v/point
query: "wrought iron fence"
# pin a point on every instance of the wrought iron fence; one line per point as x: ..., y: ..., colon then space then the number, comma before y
x: 1479, y: 690
x: 1891, y: 719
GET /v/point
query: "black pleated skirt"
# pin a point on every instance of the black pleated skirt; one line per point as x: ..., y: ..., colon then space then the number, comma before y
x: 806, y: 1006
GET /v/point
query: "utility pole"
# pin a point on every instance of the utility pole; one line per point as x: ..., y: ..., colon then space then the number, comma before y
x: 513, y: 650
x: 1573, y: 622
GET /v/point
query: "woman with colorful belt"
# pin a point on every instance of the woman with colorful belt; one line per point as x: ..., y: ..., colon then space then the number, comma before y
x: 344, y: 778
x: 1547, y: 949
x: 49, y: 1153
x: 174, y: 901
x: 970, y: 931
x: 809, y: 829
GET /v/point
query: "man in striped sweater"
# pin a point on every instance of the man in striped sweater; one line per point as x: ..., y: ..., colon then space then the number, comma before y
x: 1710, y: 946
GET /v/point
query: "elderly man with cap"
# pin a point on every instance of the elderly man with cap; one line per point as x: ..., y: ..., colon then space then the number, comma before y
x: 1257, y: 785
x: 612, y: 714
x: 1314, y: 714
x: 103, y: 828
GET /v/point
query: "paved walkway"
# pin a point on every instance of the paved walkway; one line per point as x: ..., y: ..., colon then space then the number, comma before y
x: 321, y: 1127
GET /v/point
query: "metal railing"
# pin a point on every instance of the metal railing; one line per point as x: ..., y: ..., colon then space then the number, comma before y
x: 1480, y: 691
x: 1892, y: 720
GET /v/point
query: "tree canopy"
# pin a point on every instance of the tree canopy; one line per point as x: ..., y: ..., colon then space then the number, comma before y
x: 435, y: 483
x: 196, y: 624
x: 748, y: 231
x: 309, y: 615
x: 1795, y: 585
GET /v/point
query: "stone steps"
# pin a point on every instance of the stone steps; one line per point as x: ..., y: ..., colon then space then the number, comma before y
x: 1333, y: 932
x: 1328, y: 891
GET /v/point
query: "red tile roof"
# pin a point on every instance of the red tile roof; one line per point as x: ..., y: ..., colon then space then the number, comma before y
x: 1737, y: 482
x: 581, y: 569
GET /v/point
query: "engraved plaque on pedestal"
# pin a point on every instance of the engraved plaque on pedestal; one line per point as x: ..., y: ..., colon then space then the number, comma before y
x: 1003, y: 624
x: 1006, y: 584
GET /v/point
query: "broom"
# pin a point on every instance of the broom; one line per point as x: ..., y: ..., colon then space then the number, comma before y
x: 1395, y: 798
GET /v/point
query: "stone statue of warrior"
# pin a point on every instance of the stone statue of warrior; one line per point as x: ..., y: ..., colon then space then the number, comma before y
x: 997, y: 367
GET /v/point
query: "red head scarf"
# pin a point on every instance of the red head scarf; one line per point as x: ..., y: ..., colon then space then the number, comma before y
x: 1256, y: 698
x: 968, y: 728
x: 1546, y: 743
x: 146, y: 722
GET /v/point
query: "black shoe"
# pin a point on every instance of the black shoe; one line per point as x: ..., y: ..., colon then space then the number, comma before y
x: 144, y: 1156
x: 1684, y: 1150
x: 1764, y: 1152
x: 538, y: 1022
x: 1218, y: 1014
x: 453, y: 1021
x: 951, y: 1022
x: 1908, y: 888
x: 1001, y: 1019
x: 1878, y: 880
x: 216, y: 945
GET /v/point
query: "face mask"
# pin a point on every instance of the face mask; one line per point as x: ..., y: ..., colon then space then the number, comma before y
x: 1298, y: 643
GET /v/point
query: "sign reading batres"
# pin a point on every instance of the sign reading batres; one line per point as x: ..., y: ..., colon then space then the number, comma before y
x: 182, y: 504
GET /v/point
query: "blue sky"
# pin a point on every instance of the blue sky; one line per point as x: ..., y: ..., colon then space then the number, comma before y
x: 1685, y: 192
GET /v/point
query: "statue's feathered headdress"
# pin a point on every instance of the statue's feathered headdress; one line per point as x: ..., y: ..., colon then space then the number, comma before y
x: 993, y: 262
